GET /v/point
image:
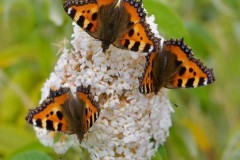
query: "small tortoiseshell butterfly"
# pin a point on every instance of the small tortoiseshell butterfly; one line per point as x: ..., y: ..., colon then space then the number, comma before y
x: 174, y: 67
x: 63, y: 112
x: 118, y: 22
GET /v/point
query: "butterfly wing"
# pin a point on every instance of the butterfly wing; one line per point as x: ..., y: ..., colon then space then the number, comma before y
x: 139, y: 39
x: 147, y: 81
x: 138, y: 35
x: 174, y: 67
x: 84, y: 13
x: 106, y: 2
x: 92, y: 109
x: 192, y: 72
x: 49, y: 114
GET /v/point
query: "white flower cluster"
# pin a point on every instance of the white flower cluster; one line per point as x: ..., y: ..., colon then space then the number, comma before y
x: 131, y: 125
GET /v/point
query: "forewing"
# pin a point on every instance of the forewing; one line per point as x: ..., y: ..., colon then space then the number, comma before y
x: 138, y: 36
x: 49, y: 114
x: 84, y: 13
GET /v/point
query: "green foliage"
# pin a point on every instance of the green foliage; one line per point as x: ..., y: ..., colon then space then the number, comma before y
x: 161, y: 154
x: 169, y: 24
x: 206, y: 121
x: 31, y: 155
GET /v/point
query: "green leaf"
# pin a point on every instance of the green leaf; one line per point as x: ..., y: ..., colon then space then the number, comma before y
x: 169, y: 23
x: 15, y: 54
x: 31, y: 155
x: 201, y: 41
x: 232, y: 147
x: 161, y: 154
x: 12, y: 137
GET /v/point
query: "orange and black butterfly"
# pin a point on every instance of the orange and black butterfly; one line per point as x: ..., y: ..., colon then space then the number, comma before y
x: 118, y: 22
x: 174, y: 66
x: 63, y: 112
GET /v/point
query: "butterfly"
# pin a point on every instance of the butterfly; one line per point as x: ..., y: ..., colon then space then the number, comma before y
x: 118, y: 22
x: 174, y: 66
x: 63, y: 112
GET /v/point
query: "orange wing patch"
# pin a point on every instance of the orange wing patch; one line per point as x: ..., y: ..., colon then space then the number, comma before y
x: 83, y: 13
x: 106, y: 2
x: 189, y: 75
x: 137, y: 13
x: 146, y: 81
x: 139, y: 38
x: 182, y: 55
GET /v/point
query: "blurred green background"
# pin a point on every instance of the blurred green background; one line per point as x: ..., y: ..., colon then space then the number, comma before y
x: 206, y: 123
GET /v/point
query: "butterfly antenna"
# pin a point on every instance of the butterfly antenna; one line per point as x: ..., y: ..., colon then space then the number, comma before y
x: 154, y: 99
x: 173, y: 103
x: 90, y: 148
x: 144, y: 62
x: 115, y: 66
x: 112, y: 63
x: 142, y: 65
x: 135, y: 88
x: 97, y: 51
x: 94, y: 130
x: 107, y: 58
x: 60, y: 45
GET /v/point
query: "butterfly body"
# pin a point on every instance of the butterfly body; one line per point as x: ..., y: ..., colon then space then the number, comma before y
x: 174, y: 67
x: 118, y: 22
x: 75, y: 117
x: 162, y: 74
x: 66, y: 113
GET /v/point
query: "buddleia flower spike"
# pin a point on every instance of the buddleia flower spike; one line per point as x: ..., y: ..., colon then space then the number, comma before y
x: 130, y: 125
